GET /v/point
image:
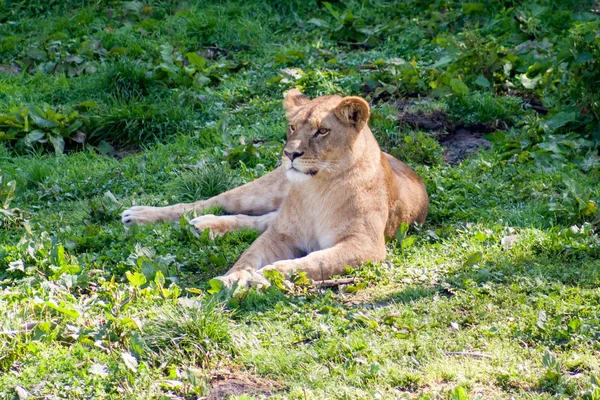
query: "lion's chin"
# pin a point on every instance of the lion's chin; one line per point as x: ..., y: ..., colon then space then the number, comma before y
x: 296, y: 176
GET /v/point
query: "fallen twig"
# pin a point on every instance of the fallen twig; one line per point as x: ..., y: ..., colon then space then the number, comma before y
x: 25, y: 328
x: 468, y: 354
x: 334, y: 282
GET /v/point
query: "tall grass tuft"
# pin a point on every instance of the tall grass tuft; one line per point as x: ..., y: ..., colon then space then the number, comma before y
x: 203, y: 183
x: 127, y: 79
x: 193, y: 332
x: 139, y: 120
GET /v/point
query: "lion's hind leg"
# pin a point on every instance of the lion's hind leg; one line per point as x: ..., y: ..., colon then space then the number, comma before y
x: 219, y: 224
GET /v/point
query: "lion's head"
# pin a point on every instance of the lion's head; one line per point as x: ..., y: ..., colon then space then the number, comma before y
x: 321, y: 133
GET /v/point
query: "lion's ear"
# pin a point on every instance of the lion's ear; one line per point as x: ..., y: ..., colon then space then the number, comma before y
x: 293, y: 99
x: 353, y: 111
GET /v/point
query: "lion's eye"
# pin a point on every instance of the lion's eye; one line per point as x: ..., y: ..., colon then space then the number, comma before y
x: 322, y: 131
x: 292, y: 128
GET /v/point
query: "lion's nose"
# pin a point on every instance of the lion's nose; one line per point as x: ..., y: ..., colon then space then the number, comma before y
x: 293, y: 155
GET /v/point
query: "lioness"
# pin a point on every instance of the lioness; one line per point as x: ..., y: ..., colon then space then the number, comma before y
x: 330, y: 204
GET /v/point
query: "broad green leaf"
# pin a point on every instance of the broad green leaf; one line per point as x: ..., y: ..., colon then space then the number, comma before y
x: 110, y: 200
x: 459, y: 86
x: 474, y: 258
x: 481, y: 236
x: 366, y: 321
x: 460, y: 393
x: 60, y: 255
x: 130, y: 361
x: 165, y: 53
x: 470, y: 8
x: 16, y: 265
x: 42, y: 122
x: 196, y: 60
x: 136, y: 344
x: 275, y: 277
x: 529, y: 83
x: 558, y: 120
x: 482, y: 81
x: 575, y: 324
x: 541, y: 320
x: 34, y: 137
x: 99, y: 369
x: 318, y: 22
x: 7, y: 137
x: 401, y: 233
x: 58, y: 143
x: 62, y: 309
x: 443, y: 62
x: 105, y: 148
x: 75, y: 125
x: 159, y: 279
x: 135, y: 279
x: 37, y: 54
x: 331, y: 10
x: 194, y: 290
x: 403, y: 228
x: 86, y: 105
x: 216, y: 285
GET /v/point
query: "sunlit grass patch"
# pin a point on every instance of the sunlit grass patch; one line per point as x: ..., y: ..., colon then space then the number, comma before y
x: 194, y: 331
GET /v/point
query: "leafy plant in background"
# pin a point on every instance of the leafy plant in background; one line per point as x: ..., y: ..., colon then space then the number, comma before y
x: 190, y: 69
x: 104, y: 209
x: 396, y: 78
x: 574, y: 204
x: 28, y: 127
x: 253, y: 154
x: 347, y: 27
x: 70, y: 57
x: 9, y: 217
x: 594, y: 392
x: 541, y: 50
x: 416, y: 148
x: 553, y: 375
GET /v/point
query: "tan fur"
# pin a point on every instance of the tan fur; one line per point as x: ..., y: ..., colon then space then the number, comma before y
x: 330, y: 204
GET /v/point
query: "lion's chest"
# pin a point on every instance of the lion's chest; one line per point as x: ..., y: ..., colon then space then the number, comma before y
x: 316, y: 219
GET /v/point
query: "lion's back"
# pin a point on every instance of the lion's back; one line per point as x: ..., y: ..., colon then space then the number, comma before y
x: 407, y: 195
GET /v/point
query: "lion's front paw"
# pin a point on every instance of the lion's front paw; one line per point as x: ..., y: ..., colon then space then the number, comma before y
x: 218, y: 225
x: 231, y: 279
x: 246, y: 277
x: 140, y: 215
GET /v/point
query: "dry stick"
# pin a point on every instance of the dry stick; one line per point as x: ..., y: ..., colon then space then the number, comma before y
x: 29, y: 326
x: 468, y: 354
x: 334, y: 282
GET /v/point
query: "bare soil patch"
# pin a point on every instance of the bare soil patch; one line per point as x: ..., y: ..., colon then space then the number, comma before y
x: 461, y: 144
x: 226, y: 386
x: 458, y: 140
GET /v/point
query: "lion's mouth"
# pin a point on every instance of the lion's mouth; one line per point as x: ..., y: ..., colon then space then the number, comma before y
x: 311, y: 172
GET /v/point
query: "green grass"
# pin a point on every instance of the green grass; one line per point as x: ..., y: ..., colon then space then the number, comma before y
x: 496, y: 296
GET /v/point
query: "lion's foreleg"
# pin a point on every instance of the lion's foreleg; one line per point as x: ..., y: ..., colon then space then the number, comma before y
x: 219, y: 224
x: 267, y: 249
x: 323, y: 264
x: 258, y: 197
